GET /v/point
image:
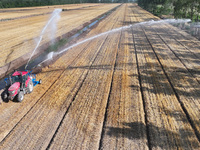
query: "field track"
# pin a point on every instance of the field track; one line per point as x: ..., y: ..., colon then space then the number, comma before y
x: 137, y: 88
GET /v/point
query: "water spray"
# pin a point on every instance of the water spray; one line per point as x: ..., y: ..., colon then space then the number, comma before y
x: 147, y: 23
x: 52, y: 54
x: 55, y: 15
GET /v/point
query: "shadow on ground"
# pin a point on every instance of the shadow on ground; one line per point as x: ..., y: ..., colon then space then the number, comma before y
x: 158, y: 137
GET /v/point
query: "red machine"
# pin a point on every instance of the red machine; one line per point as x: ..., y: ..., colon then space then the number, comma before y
x: 20, y: 83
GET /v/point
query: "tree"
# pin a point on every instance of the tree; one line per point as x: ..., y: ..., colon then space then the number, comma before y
x: 179, y: 8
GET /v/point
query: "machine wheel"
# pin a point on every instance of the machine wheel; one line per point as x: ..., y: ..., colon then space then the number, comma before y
x: 20, y: 96
x: 30, y: 86
x: 40, y: 81
x: 4, y: 96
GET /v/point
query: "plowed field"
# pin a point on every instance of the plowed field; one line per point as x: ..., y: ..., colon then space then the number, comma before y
x: 17, y: 13
x: 19, y: 35
x: 137, y: 88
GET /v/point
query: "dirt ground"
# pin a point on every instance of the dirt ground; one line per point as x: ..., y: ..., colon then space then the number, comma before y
x: 135, y: 88
x: 20, y: 34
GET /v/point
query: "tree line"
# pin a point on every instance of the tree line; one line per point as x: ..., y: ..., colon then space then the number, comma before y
x: 29, y: 3
x: 177, y: 8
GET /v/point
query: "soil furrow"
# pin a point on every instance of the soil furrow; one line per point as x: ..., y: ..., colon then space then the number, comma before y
x: 28, y: 29
x: 181, y: 72
x: 136, y: 88
x: 8, y: 120
x: 186, y: 56
x: 50, y: 106
x: 89, y: 67
x: 87, y: 128
x: 153, y: 76
x: 124, y: 119
x: 193, y: 84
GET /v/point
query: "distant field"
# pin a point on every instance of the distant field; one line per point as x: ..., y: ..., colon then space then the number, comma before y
x: 18, y: 37
x: 15, y: 13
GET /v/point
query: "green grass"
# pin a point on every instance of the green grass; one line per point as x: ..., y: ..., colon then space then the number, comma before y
x: 54, y: 47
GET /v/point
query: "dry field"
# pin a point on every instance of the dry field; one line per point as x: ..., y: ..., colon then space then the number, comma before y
x: 19, y: 36
x: 137, y: 88
x: 17, y: 13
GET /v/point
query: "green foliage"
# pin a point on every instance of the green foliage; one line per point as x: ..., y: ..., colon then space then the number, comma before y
x: 177, y: 8
x: 29, y: 3
x: 58, y: 44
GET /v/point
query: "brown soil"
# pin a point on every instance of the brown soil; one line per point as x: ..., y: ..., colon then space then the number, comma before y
x: 133, y: 89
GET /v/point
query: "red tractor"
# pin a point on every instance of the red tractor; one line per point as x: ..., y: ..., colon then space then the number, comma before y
x: 20, y: 83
